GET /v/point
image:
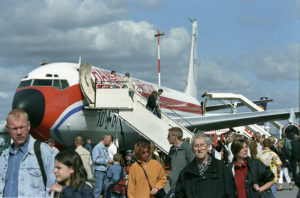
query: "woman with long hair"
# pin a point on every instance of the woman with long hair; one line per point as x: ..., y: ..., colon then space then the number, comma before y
x: 252, y: 177
x: 253, y: 148
x: 71, y: 176
x: 140, y: 185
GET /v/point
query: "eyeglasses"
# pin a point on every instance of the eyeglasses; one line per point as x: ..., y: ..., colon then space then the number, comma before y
x: 199, y: 146
x: 145, y: 152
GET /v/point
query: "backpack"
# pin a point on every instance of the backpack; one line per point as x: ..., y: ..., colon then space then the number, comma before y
x: 119, y: 187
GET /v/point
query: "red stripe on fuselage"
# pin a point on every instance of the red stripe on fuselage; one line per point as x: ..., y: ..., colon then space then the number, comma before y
x: 56, y: 102
x: 173, y: 104
x: 168, y: 103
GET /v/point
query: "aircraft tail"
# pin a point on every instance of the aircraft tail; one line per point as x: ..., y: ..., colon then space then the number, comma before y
x: 263, y: 105
x: 191, y: 82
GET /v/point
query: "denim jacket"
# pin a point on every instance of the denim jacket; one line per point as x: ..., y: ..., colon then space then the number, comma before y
x: 30, y: 181
x: 100, y: 157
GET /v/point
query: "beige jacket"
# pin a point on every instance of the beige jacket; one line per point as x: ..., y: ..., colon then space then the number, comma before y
x: 86, y: 159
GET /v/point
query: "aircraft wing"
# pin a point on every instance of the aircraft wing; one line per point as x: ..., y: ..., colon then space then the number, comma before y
x: 208, y: 123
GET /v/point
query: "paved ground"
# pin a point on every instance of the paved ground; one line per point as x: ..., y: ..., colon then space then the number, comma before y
x: 286, y: 193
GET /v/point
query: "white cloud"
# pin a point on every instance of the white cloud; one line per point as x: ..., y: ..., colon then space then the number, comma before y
x: 213, y: 77
x: 149, y: 4
x: 275, y: 64
x: 175, y: 42
x: 3, y: 95
x: 33, y: 15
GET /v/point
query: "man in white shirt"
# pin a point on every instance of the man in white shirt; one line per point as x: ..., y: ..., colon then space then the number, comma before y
x: 259, y: 146
x: 112, y: 149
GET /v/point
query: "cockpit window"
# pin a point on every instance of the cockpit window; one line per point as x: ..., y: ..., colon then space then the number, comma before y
x: 25, y: 83
x: 42, y: 82
x: 64, y: 84
x: 56, y: 83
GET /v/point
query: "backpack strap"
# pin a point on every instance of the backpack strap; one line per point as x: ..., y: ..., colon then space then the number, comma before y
x: 121, y: 176
x: 37, y: 151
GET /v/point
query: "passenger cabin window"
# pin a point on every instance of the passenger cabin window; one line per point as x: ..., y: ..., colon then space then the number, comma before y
x: 25, y: 83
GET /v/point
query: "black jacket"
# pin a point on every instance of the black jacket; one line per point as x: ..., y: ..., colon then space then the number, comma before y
x: 295, y: 150
x: 257, y: 173
x: 284, y: 156
x: 297, y: 181
x: 70, y: 192
x: 151, y: 102
x: 216, y: 182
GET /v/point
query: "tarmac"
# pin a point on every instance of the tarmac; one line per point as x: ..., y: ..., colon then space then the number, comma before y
x: 286, y: 193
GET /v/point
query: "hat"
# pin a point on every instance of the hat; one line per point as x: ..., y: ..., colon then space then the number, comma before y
x: 50, y: 141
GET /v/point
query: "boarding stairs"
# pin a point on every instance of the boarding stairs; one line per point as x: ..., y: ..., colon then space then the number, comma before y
x: 100, y: 95
x: 134, y: 113
x: 242, y: 99
x: 250, y: 105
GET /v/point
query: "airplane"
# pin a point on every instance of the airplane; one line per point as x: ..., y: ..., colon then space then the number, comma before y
x: 61, y: 100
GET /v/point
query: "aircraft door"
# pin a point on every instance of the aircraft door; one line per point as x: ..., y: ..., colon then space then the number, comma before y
x: 86, y: 83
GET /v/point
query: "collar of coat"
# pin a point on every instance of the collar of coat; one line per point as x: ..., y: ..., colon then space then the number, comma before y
x: 193, y: 168
x: 181, y: 146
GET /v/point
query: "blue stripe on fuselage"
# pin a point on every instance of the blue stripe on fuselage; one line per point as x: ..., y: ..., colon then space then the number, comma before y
x: 56, y: 131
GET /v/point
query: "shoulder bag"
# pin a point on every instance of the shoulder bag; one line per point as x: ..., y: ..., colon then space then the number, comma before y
x: 119, y: 187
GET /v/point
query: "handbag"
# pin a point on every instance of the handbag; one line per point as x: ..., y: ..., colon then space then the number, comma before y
x: 161, y: 193
x: 119, y: 188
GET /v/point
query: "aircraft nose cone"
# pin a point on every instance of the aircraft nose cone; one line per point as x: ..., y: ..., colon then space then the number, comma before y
x: 33, y: 102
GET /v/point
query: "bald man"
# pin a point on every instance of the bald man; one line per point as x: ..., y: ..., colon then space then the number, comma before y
x: 85, y: 156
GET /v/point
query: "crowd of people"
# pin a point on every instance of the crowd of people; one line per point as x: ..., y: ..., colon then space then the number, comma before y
x: 30, y: 168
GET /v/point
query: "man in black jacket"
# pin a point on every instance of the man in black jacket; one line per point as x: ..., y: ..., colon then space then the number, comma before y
x: 205, y: 176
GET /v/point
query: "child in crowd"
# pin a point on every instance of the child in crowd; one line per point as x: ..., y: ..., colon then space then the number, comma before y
x: 71, y: 177
x: 113, y: 176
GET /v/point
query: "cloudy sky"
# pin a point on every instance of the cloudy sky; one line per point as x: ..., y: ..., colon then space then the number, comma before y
x: 250, y: 47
